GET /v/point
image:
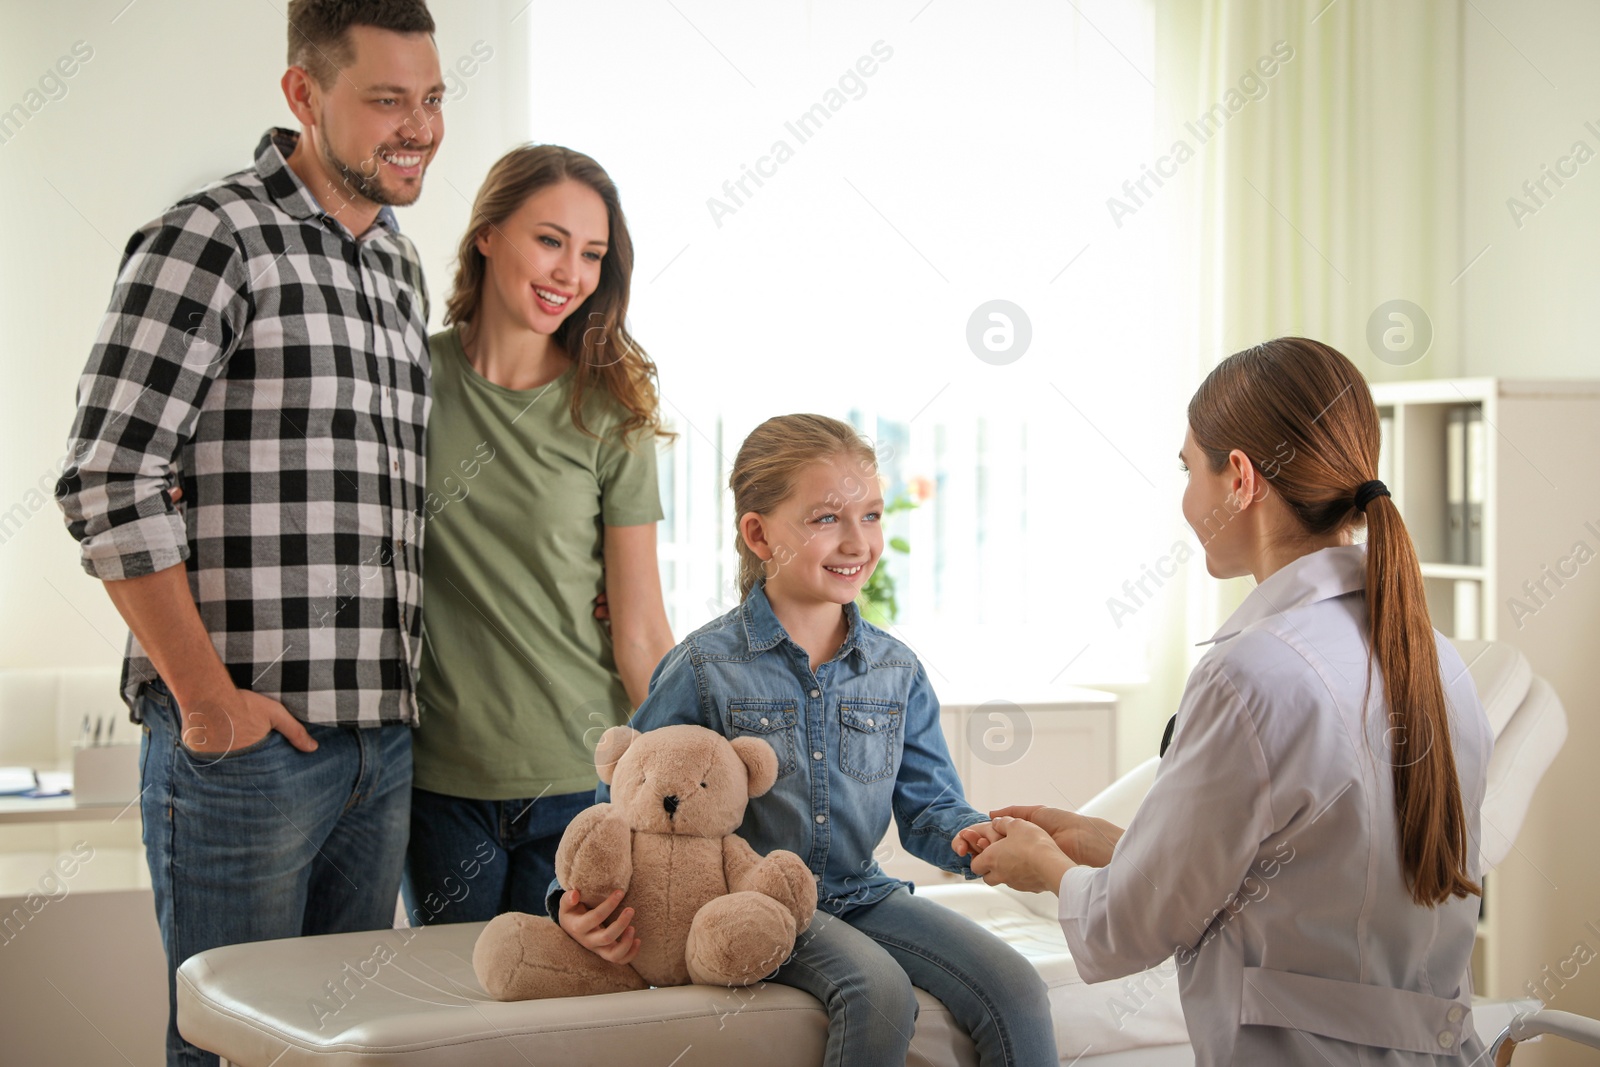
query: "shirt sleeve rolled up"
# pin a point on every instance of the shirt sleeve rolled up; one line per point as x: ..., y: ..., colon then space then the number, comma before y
x: 177, y: 311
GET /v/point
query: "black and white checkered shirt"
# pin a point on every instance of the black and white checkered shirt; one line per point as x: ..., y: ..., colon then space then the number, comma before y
x: 276, y: 368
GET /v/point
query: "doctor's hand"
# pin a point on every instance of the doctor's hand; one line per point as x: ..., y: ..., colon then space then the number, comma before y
x: 1085, y: 839
x: 1022, y: 856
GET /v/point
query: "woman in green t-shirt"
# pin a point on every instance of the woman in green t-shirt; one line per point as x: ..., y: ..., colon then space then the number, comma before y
x: 542, y: 496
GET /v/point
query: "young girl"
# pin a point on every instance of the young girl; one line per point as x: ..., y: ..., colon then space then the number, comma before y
x: 541, y: 493
x: 1308, y: 850
x: 855, y: 724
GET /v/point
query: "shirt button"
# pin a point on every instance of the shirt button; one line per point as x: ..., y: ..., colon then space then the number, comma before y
x: 1455, y: 1014
x: 816, y: 755
x: 816, y: 692
x: 764, y: 722
x: 396, y: 466
x: 869, y: 722
x: 1446, y: 1039
x: 821, y: 819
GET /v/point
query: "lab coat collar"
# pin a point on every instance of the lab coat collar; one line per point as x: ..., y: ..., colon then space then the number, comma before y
x: 1320, y: 575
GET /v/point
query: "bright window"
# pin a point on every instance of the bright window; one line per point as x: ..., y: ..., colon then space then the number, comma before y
x: 912, y: 166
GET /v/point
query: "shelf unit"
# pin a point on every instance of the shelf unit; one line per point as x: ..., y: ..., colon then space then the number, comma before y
x: 1541, y: 499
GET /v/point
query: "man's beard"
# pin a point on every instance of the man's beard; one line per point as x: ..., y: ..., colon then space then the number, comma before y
x: 360, y: 184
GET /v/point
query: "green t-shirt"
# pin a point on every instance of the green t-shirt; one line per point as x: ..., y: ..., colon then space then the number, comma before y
x: 518, y: 679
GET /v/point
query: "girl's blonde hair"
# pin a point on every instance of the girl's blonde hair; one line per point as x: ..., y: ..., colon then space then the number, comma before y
x: 596, y: 336
x: 769, y: 463
x: 1305, y: 394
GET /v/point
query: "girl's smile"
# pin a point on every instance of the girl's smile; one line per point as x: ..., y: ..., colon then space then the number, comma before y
x: 822, y: 543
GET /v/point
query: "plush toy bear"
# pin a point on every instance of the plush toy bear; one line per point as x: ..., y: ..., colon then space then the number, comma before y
x: 707, y: 908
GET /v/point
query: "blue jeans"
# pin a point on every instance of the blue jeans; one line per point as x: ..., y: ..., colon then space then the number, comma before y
x: 268, y: 841
x: 862, y: 967
x: 470, y: 860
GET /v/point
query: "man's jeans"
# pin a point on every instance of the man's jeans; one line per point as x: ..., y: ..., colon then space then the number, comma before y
x: 268, y: 841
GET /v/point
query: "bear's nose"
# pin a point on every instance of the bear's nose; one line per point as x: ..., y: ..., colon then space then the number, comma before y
x: 671, y: 804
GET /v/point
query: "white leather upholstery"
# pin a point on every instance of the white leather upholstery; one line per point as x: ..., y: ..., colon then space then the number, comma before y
x: 1530, y: 726
x: 339, y: 1001
x: 1523, y: 751
x: 258, y: 1004
x: 1502, y: 676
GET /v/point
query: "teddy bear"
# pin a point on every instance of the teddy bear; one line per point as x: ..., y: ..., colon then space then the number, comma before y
x: 707, y: 908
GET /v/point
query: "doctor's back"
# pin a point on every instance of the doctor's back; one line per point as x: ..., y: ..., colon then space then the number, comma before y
x: 1322, y: 948
x: 1308, y: 853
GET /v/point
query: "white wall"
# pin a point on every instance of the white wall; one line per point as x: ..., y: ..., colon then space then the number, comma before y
x: 1530, y: 309
x: 1531, y: 84
x: 172, y: 96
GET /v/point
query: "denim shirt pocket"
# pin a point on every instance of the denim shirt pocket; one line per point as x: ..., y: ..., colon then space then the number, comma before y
x: 869, y: 738
x: 774, y: 721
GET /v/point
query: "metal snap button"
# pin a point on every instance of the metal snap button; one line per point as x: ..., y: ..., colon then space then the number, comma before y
x: 764, y: 722
x: 816, y: 692
x: 822, y: 819
x: 869, y: 722
x: 816, y: 755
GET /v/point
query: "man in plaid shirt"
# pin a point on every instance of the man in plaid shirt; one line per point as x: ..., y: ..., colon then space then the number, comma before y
x: 249, y: 488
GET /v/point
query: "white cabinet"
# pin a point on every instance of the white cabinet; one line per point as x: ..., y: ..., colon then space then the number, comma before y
x: 1535, y: 587
x: 82, y: 970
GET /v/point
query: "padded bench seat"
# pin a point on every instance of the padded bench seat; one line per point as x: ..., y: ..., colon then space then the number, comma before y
x: 408, y: 998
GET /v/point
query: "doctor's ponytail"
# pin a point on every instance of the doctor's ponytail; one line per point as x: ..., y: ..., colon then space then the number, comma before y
x: 1303, y: 400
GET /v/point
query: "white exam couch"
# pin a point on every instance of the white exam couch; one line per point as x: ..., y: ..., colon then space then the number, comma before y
x: 408, y: 998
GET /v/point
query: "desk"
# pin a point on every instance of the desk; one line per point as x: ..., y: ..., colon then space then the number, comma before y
x: 18, y: 810
x: 84, y: 975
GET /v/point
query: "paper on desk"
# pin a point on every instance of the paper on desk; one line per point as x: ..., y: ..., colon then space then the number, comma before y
x: 53, y: 784
x: 15, y: 780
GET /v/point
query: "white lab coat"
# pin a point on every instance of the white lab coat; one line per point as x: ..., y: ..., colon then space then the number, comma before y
x: 1265, y: 856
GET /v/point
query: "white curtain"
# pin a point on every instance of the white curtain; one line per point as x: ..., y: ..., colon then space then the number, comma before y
x: 1331, y: 194
x: 1025, y: 152
x: 822, y: 197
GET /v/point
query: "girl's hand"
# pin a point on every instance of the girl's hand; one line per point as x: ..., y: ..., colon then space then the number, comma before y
x: 973, y: 839
x: 1083, y: 838
x: 617, y: 943
x: 1022, y: 856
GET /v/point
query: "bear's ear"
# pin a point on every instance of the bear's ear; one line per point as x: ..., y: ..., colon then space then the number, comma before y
x: 759, y: 760
x: 613, y: 743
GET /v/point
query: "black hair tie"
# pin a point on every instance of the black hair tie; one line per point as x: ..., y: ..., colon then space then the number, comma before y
x: 1367, y: 492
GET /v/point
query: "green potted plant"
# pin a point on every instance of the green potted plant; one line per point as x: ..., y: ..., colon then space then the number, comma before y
x: 877, y: 600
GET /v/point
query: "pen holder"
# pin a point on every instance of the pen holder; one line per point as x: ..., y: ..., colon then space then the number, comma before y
x: 105, y: 774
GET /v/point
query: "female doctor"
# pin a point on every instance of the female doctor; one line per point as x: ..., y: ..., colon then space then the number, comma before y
x: 1309, y: 850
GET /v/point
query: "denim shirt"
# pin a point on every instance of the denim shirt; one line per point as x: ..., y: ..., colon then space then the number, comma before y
x: 857, y: 739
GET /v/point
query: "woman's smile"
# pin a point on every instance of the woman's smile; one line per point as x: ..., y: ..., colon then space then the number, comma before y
x: 551, y: 301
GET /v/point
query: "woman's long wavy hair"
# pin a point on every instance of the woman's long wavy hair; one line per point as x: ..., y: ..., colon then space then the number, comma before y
x: 595, y: 335
x: 1304, y: 394
x: 769, y: 463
